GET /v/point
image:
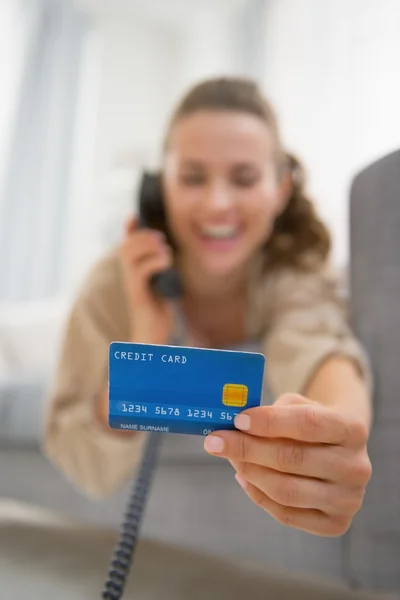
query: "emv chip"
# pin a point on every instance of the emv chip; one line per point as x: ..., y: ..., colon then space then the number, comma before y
x: 234, y: 394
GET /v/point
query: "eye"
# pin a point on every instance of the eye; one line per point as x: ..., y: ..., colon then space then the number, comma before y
x: 192, y: 179
x: 246, y: 178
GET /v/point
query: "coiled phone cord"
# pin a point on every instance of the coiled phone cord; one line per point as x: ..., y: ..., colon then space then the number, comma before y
x: 128, y: 538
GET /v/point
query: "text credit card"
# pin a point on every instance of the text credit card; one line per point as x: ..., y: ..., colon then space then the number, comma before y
x: 173, y: 389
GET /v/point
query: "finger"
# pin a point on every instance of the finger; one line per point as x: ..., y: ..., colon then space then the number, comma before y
x: 311, y: 423
x: 310, y: 520
x: 133, y: 224
x: 153, y: 265
x: 285, y: 456
x: 141, y: 245
x: 303, y: 492
x: 287, y: 490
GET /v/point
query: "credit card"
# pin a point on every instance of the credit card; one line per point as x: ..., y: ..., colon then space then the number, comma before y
x: 174, y: 389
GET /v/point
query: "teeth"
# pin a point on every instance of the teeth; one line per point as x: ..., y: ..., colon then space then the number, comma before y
x: 219, y: 231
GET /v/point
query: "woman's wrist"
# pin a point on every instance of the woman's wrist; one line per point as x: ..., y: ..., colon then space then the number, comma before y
x: 339, y: 385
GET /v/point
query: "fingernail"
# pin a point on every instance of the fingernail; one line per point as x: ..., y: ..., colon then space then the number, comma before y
x: 213, y: 443
x: 242, y: 422
x: 242, y: 482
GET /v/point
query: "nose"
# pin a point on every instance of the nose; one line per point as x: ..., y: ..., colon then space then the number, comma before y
x: 218, y: 197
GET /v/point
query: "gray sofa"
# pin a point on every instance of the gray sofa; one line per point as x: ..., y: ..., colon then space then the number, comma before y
x: 373, y: 543
x: 215, y: 516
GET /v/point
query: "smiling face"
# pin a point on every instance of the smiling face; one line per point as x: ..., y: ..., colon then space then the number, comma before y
x: 222, y: 190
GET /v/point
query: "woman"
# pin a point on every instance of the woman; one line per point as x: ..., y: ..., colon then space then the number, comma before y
x: 253, y: 259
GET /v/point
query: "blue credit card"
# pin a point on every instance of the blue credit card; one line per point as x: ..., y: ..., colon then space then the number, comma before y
x: 174, y: 389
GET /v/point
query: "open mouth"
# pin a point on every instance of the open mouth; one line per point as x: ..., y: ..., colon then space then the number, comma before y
x: 219, y: 232
x: 220, y: 238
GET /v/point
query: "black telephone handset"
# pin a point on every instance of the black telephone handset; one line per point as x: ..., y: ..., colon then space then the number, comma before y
x: 152, y: 215
x: 168, y: 285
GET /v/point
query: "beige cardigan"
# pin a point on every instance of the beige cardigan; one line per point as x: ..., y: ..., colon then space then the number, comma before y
x: 297, y: 317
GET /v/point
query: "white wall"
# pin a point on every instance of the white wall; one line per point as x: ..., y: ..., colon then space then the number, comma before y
x: 128, y: 78
x: 136, y: 68
x: 139, y: 75
x: 332, y: 71
x: 15, y: 24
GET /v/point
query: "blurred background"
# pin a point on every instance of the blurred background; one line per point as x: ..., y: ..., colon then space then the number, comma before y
x: 87, y: 85
x: 86, y: 90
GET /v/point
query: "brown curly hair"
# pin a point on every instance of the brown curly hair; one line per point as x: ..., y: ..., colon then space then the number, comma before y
x: 299, y: 238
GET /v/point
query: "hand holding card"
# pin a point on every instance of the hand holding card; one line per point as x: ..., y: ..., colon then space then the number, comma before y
x: 304, y: 463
